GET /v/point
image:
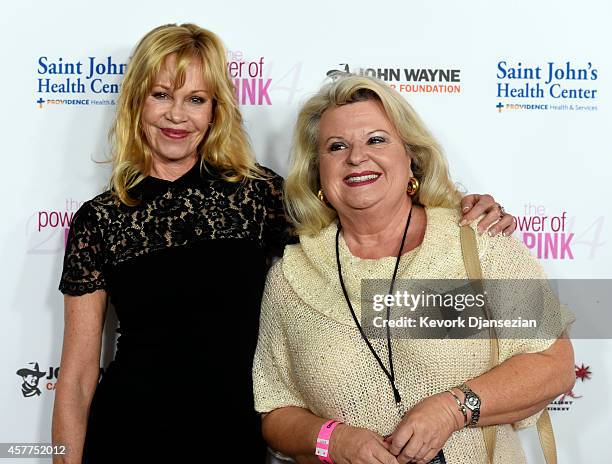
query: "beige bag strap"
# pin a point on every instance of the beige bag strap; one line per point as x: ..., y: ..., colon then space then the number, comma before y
x: 544, y: 425
x: 547, y: 437
x: 474, y: 272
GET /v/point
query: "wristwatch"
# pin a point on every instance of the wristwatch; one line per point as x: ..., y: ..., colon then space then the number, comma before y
x: 472, y: 402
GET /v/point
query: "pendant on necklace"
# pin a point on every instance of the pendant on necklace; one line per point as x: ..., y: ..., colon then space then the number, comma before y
x: 401, y: 410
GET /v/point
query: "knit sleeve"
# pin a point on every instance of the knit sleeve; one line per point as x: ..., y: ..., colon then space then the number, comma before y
x: 83, y: 261
x: 274, y: 385
x: 507, y: 258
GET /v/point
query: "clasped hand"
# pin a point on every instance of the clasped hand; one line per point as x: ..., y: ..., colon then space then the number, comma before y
x: 417, y: 439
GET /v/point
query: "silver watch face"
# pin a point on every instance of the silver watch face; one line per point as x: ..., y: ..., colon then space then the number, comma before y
x: 472, y: 401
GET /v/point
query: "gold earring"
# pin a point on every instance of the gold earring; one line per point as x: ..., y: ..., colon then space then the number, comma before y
x: 321, y: 196
x: 413, y: 186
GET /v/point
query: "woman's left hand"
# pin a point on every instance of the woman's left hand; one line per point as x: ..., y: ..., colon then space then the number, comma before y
x: 475, y: 205
x: 424, y: 429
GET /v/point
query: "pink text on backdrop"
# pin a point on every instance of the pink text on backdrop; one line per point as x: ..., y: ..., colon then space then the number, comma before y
x: 545, y: 235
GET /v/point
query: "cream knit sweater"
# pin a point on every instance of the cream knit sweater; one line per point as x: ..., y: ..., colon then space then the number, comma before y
x: 310, y: 353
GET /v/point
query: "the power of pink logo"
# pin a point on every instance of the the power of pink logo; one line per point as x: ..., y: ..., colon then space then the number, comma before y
x: 545, y: 235
x: 48, y: 229
x: 251, y: 87
x: 560, y: 236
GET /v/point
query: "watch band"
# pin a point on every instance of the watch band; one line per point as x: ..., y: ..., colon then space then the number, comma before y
x: 472, y: 402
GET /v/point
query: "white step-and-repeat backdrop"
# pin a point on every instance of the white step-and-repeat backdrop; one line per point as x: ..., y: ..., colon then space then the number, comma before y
x: 518, y: 93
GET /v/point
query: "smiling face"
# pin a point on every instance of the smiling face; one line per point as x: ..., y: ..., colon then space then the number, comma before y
x: 175, y: 120
x: 363, y: 162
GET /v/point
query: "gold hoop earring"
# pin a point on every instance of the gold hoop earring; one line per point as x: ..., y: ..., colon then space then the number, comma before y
x: 413, y: 186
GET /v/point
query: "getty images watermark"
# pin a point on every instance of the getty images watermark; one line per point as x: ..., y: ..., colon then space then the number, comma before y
x: 460, y: 309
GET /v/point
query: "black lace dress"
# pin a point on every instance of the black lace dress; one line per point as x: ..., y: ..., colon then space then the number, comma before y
x: 185, y: 271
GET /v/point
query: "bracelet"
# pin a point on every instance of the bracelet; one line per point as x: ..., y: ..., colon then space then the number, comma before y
x: 461, y: 406
x: 322, y: 448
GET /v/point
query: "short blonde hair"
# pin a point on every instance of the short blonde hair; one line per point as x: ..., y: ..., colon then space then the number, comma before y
x: 429, y: 166
x: 225, y: 146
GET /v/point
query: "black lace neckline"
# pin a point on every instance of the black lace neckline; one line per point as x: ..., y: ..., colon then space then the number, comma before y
x: 193, y: 208
x: 152, y: 186
x: 192, y: 175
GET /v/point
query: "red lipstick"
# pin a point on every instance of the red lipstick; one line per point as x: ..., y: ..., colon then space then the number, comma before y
x: 174, y: 133
x: 357, y: 179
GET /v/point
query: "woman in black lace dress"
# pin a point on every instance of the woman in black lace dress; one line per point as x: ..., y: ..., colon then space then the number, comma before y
x: 180, y: 245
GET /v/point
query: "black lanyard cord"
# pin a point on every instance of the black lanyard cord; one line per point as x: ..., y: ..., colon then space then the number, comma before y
x: 391, y: 372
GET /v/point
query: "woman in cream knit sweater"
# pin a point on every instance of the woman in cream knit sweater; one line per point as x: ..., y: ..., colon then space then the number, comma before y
x: 372, y: 198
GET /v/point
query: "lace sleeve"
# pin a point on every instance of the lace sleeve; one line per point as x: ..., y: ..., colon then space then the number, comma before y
x: 83, y: 259
x: 278, y: 230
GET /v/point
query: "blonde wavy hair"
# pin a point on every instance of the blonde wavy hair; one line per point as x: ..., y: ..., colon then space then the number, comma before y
x: 429, y: 166
x: 225, y: 146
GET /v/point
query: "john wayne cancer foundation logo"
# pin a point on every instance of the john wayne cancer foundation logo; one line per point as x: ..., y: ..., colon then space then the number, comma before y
x: 31, y: 377
x: 409, y: 79
x: 546, y: 86
x: 78, y: 82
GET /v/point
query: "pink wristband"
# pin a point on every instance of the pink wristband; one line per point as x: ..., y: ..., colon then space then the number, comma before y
x: 322, y: 448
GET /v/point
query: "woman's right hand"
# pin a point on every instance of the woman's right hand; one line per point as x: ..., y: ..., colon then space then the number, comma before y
x: 354, y: 445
